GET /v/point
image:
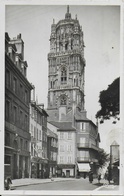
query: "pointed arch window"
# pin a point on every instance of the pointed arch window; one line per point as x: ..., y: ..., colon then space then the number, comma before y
x: 63, y: 75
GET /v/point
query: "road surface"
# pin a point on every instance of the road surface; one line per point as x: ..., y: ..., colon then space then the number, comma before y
x: 78, y: 184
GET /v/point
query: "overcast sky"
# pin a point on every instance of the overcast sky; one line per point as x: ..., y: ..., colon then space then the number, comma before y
x: 101, y: 27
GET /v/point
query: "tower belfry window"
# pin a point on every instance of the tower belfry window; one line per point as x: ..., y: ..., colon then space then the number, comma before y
x: 63, y: 75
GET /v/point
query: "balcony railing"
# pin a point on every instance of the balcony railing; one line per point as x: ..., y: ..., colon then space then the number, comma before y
x: 88, y: 145
x: 83, y: 145
x: 85, y: 159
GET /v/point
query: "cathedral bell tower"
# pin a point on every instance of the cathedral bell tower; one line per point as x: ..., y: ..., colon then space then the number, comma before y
x: 66, y: 65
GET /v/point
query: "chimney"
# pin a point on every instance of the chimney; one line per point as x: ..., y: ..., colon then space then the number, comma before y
x: 33, y: 93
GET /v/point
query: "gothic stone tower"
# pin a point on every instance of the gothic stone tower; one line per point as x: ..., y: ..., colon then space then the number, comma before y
x: 78, y: 137
x: 66, y: 67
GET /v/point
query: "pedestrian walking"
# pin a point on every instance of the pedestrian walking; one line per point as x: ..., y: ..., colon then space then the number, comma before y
x: 90, y: 176
x: 99, y: 178
x: 50, y: 176
x: 106, y: 175
x: 109, y: 173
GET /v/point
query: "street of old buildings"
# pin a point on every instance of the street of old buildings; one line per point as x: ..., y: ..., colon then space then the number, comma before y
x: 59, y: 142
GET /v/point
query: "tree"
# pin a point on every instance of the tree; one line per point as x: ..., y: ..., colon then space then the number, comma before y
x: 103, y: 158
x: 109, y: 101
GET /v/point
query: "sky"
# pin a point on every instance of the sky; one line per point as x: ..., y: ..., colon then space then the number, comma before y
x: 101, y: 27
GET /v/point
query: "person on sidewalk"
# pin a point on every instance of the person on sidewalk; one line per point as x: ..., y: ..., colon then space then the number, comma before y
x: 99, y: 178
x: 90, y: 176
x: 50, y: 176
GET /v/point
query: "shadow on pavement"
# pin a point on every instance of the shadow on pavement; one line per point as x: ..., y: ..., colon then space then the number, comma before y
x: 98, y: 184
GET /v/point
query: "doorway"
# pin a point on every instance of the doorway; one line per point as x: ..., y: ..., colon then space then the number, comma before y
x: 67, y: 173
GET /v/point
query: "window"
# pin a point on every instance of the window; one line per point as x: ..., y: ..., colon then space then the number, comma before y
x: 82, y: 140
x: 63, y: 75
x: 7, y: 159
x: 21, y: 91
x: 26, y: 145
x: 35, y: 133
x: 51, y: 156
x: 51, y: 84
x: 7, y: 110
x: 21, y: 118
x: 84, y: 154
x: 7, y: 139
x: 83, y: 126
x: 39, y: 134
x: 54, y: 156
x: 26, y: 122
x: 61, y: 159
x: 21, y: 143
x: 61, y: 135
x: 32, y: 111
x: 69, y: 159
x: 69, y: 135
x: 7, y: 78
x: 69, y: 149
x: 51, y: 141
x: 14, y: 114
x: 61, y: 148
x: 32, y: 131
x: 26, y: 96
x: 14, y: 85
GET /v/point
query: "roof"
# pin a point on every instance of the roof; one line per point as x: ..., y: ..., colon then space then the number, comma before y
x: 41, y: 110
x: 81, y: 117
x: 51, y: 134
x: 64, y: 126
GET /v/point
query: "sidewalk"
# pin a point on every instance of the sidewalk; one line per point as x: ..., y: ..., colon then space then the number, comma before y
x: 105, y: 186
x: 32, y: 181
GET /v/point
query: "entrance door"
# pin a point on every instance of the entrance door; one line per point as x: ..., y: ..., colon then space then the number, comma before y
x: 67, y: 173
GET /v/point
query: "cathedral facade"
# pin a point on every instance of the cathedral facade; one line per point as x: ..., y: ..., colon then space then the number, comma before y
x: 78, y: 137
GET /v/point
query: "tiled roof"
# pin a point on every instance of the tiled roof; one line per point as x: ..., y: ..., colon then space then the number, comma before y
x: 63, y: 125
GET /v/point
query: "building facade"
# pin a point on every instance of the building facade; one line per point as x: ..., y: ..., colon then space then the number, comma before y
x: 17, y: 99
x: 66, y: 104
x: 38, y: 130
x: 52, y: 152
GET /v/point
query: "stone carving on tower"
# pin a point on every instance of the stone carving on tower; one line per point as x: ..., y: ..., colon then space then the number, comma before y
x: 66, y: 65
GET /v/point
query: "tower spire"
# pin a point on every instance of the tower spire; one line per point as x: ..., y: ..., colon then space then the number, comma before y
x: 67, y: 15
x: 67, y: 8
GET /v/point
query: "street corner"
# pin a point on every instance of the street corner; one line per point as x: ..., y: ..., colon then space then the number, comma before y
x: 107, y: 187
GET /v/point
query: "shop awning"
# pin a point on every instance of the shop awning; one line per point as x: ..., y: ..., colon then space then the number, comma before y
x: 83, y: 167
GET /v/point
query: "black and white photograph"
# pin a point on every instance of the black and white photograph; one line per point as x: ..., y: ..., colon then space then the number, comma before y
x: 62, y: 90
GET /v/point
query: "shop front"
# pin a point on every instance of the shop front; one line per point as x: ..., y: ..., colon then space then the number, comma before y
x: 39, y: 168
x: 83, y: 169
x: 66, y: 170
